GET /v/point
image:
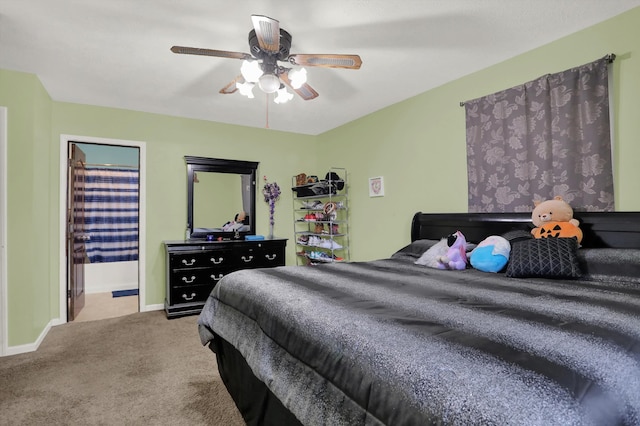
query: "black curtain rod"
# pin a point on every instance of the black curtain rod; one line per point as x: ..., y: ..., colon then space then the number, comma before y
x: 610, y: 57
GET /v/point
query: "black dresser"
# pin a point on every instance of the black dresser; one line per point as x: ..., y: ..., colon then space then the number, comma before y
x: 194, y: 267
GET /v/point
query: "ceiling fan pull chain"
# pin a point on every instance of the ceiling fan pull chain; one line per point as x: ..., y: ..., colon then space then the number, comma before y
x: 267, y: 110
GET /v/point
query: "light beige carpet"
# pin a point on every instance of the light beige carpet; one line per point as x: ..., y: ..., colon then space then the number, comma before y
x: 98, y: 306
x: 137, y: 369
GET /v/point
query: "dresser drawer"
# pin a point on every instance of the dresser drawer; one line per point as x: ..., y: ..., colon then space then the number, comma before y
x: 247, y: 256
x: 200, y: 259
x: 194, y: 268
x: 261, y: 255
x: 190, y: 293
x: 197, y: 276
x: 270, y: 256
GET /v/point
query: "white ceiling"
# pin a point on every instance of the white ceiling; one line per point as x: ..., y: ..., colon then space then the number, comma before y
x: 115, y: 53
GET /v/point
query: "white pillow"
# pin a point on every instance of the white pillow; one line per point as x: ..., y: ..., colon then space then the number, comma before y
x: 430, y: 257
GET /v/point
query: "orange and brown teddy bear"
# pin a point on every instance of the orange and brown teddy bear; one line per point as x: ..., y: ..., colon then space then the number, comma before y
x: 554, y: 218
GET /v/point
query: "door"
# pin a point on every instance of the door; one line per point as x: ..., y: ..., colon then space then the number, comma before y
x: 76, y: 237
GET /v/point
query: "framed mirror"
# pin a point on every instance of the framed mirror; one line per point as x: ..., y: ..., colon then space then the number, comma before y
x: 218, y: 192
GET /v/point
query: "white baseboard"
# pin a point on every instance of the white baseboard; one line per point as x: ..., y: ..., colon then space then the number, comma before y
x: 149, y: 308
x: 57, y: 321
x: 31, y: 347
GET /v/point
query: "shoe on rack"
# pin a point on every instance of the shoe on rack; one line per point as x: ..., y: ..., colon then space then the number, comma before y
x: 315, y: 255
x: 310, y: 205
x: 325, y: 257
x: 319, y: 228
x: 334, y: 228
x: 301, y: 179
x: 330, y: 244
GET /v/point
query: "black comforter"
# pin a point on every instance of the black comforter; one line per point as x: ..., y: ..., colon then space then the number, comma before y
x: 390, y: 342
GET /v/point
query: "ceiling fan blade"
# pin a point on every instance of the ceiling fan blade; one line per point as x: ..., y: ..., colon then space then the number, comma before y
x: 268, y: 33
x: 210, y: 52
x: 305, y: 91
x: 231, y: 87
x: 328, y: 61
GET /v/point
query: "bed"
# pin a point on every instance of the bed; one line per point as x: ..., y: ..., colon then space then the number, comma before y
x: 395, y: 343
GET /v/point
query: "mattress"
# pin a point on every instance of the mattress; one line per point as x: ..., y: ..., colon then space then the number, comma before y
x: 392, y: 342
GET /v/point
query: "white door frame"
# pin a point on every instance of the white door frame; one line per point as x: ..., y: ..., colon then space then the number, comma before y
x: 4, y: 315
x: 142, y: 221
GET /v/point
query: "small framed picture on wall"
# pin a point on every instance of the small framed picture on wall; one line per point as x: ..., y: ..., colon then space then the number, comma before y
x: 376, y: 186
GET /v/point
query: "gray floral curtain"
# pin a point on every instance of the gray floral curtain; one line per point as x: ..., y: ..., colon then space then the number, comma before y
x: 547, y: 137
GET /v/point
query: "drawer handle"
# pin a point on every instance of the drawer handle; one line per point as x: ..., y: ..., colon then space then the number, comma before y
x: 189, y: 281
x: 184, y: 261
x: 217, y: 262
x: 247, y: 259
x: 271, y: 256
x: 217, y: 278
x: 185, y: 297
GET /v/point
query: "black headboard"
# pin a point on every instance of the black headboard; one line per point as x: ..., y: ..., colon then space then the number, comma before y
x: 600, y: 229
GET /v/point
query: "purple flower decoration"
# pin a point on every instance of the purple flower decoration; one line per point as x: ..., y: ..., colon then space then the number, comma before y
x: 271, y: 192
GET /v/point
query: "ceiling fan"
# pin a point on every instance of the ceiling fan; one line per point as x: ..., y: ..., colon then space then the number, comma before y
x: 270, y: 44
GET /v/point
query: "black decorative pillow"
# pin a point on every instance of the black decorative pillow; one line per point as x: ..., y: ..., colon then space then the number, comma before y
x: 544, y: 258
x: 517, y: 235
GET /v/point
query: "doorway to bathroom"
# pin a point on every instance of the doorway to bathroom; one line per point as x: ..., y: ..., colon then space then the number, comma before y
x: 103, y: 226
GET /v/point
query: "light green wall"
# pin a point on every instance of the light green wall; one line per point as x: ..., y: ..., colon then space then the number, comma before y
x: 35, y: 124
x: 417, y: 145
x: 168, y: 140
x: 32, y: 300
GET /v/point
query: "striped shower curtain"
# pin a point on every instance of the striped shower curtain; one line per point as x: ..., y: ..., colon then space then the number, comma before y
x: 111, y: 214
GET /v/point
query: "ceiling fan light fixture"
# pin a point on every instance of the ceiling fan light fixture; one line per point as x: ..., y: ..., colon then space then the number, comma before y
x: 246, y: 89
x: 251, y: 71
x: 298, y: 78
x: 270, y: 44
x: 283, y: 96
x: 269, y: 83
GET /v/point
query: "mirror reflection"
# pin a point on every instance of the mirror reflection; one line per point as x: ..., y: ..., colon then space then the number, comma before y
x: 220, y: 198
x: 217, y: 200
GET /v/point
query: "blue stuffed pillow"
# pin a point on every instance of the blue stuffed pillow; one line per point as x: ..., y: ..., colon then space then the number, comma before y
x: 491, y: 255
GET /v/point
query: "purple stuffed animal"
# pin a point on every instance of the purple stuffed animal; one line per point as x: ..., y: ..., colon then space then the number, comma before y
x: 456, y: 257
